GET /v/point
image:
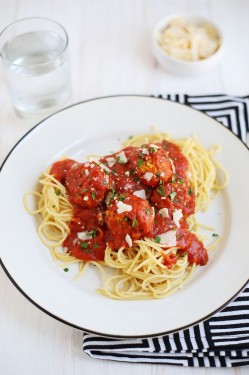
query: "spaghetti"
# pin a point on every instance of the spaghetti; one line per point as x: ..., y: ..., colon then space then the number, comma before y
x: 132, y: 212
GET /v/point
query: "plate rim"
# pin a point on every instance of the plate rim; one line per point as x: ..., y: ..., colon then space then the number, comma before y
x: 41, y: 308
x: 164, y: 333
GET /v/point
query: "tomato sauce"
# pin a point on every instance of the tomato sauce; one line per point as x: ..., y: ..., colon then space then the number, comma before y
x: 136, y: 193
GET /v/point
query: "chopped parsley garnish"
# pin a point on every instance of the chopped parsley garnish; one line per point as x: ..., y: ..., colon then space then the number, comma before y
x: 66, y: 269
x: 215, y: 235
x: 140, y: 162
x: 172, y: 179
x: 92, y: 233
x: 157, y: 239
x: 147, y: 211
x: 190, y: 191
x: 180, y: 181
x: 96, y: 245
x: 158, y: 174
x: 93, y: 195
x: 134, y: 223
x: 57, y: 192
x: 122, y: 197
x: 160, y: 190
x: 84, y: 245
x: 172, y: 195
x: 165, y: 147
x: 114, y: 194
x: 119, y: 160
x: 87, y: 250
x: 84, y: 191
x: 153, y: 149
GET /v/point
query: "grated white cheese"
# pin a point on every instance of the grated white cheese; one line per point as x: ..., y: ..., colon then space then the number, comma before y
x: 110, y: 161
x: 153, y: 146
x: 187, y: 41
x: 127, y: 173
x: 86, y: 172
x: 172, y: 165
x: 164, y: 212
x: 177, y: 215
x: 75, y: 241
x: 168, y: 239
x: 85, y: 198
x: 148, y: 176
x: 128, y: 240
x: 122, y: 157
x: 122, y: 207
x: 145, y: 151
x: 83, y: 236
x: 127, y: 187
x: 104, y: 167
x: 140, y: 193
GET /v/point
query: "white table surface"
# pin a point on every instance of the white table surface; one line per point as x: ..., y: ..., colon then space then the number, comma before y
x: 110, y: 54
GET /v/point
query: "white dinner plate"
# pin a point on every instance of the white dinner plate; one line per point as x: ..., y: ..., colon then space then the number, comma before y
x: 99, y: 126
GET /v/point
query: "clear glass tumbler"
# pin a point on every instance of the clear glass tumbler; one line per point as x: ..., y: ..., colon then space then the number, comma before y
x: 35, y: 58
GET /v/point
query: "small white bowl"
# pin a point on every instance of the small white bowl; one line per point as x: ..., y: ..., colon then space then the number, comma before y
x: 181, y: 67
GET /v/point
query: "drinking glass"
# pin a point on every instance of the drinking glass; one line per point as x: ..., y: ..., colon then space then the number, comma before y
x: 35, y: 58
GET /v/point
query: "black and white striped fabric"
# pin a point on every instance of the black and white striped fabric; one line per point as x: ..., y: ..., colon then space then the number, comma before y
x: 222, y: 340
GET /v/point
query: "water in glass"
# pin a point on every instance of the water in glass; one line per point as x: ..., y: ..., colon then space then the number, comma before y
x: 38, y: 73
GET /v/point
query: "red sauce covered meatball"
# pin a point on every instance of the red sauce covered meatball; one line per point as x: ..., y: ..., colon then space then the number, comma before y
x: 86, y: 240
x: 60, y: 169
x: 87, y: 185
x: 151, y: 164
x: 128, y: 219
x: 174, y: 195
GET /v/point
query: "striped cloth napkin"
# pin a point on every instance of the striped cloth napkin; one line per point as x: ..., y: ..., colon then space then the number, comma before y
x: 222, y: 340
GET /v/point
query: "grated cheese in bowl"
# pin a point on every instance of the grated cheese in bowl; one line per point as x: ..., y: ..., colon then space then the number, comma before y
x: 187, y: 41
x: 187, y: 45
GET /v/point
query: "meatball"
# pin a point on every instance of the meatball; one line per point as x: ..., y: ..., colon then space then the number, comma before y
x: 174, y: 195
x: 151, y: 164
x: 60, y: 168
x: 127, y: 220
x: 86, y: 185
x: 179, y: 161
